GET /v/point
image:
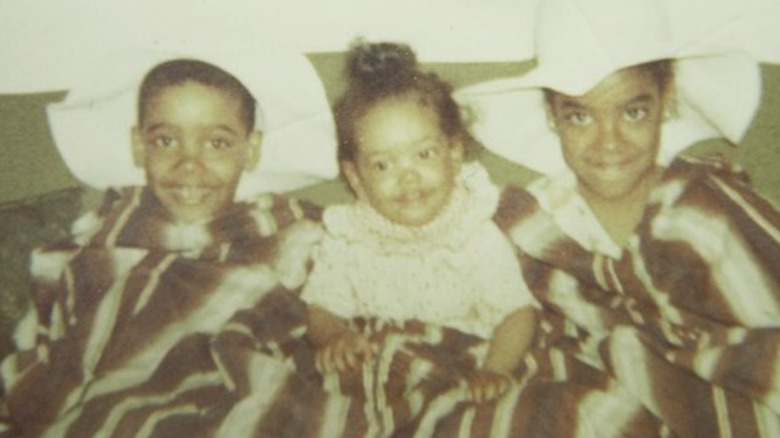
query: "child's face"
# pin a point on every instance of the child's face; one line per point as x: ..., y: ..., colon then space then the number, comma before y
x: 611, y: 135
x: 194, y: 147
x: 405, y: 166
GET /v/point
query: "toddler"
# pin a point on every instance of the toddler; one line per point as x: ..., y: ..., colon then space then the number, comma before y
x: 419, y: 241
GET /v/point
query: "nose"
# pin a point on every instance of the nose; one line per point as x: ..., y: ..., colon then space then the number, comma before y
x: 610, y: 136
x: 409, y: 174
x: 191, y: 155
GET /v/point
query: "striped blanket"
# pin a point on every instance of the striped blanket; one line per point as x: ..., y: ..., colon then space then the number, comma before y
x: 143, y: 329
x: 118, y: 341
x: 687, y: 319
x: 415, y: 387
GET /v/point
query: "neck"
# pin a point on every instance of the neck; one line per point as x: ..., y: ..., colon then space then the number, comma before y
x: 620, y: 215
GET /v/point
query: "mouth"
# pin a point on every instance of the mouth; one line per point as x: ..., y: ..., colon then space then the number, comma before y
x: 613, y: 165
x: 412, y: 198
x: 190, y: 194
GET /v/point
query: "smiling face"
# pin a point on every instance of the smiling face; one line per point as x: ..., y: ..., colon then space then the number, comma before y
x: 611, y: 135
x: 405, y: 166
x: 194, y: 144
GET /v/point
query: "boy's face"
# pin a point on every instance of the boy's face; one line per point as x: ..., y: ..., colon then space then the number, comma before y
x: 194, y: 147
x: 611, y: 135
x: 405, y: 166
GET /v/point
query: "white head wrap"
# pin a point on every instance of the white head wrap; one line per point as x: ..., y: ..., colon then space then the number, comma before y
x: 91, y: 127
x: 581, y: 42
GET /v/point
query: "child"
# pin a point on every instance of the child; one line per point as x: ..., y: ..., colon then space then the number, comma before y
x: 418, y: 242
x: 148, y: 279
x: 195, y: 137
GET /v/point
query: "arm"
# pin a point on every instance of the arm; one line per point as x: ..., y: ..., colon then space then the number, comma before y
x: 511, y: 340
x: 338, y: 346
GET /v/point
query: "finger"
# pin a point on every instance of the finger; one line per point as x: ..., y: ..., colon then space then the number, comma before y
x: 322, y: 360
x: 491, y: 389
x: 351, y: 359
x: 339, y: 360
x: 477, y: 393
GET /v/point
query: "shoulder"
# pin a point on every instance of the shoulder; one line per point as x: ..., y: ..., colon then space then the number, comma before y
x: 514, y: 203
x: 714, y: 165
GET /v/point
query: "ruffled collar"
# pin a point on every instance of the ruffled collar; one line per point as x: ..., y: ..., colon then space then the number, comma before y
x: 473, y: 202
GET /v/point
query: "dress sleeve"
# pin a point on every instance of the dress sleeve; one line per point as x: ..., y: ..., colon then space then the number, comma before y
x: 497, y: 270
x: 328, y: 285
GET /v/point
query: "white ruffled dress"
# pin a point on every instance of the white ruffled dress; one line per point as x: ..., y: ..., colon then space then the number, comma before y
x: 459, y: 270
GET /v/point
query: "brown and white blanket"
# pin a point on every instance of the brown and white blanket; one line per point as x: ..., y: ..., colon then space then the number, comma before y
x: 687, y: 318
x: 118, y: 341
x: 145, y: 330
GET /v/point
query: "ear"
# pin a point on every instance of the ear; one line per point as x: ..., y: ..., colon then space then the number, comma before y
x: 669, y: 101
x: 549, y: 113
x: 139, y: 150
x: 457, y: 152
x: 353, y: 178
x: 253, y: 150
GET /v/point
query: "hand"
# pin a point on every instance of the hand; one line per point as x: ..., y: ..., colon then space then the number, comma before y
x: 487, y: 385
x: 345, y: 351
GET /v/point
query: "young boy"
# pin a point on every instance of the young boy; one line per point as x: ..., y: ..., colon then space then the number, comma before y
x: 195, y: 137
x: 118, y: 338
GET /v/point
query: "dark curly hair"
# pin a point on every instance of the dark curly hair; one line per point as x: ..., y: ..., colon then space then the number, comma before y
x: 380, y: 71
x: 179, y: 71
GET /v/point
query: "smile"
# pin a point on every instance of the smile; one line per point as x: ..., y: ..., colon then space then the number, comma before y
x: 412, y: 198
x: 190, y: 195
x: 612, y: 166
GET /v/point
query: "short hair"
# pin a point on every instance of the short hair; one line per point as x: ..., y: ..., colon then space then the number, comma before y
x: 180, y: 71
x: 661, y: 71
x: 382, y: 71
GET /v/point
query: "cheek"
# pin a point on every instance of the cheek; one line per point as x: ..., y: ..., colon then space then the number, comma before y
x: 378, y: 189
x: 574, y: 144
x: 646, y: 137
x: 225, y: 169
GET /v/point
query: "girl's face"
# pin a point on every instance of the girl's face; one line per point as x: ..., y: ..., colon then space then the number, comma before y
x: 611, y: 135
x: 405, y: 166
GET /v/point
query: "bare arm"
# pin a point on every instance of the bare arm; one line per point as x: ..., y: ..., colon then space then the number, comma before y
x: 339, y: 348
x: 511, y: 339
x: 325, y: 326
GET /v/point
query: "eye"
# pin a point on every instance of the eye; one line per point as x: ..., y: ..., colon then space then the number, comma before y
x: 636, y: 113
x: 579, y: 118
x: 427, y: 153
x: 219, y: 143
x: 380, y: 165
x: 164, y: 142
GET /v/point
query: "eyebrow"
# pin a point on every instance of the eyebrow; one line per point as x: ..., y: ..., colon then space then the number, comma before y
x: 424, y: 141
x: 568, y: 103
x: 160, y: 126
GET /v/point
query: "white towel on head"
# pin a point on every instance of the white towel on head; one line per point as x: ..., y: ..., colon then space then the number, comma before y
x: 91, y: 127
x: 581, y: 42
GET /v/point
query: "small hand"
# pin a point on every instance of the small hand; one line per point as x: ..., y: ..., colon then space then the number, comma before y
x: 487, y: 385
x: 346, y: 351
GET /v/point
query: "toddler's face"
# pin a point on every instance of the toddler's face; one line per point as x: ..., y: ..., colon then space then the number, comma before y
x: 405, y: 167
x: 194, y: 147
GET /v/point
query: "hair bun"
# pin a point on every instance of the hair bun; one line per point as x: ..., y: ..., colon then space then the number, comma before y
x: 380, y: 63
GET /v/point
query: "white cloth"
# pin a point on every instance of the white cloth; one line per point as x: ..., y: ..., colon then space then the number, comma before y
x: 91, y: 127
x: 458, y: 271
x: 581, y: 42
